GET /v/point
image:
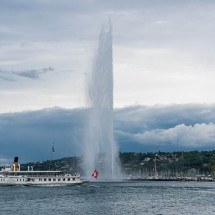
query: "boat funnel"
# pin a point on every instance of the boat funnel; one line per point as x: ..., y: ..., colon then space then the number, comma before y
x: 16, y: 166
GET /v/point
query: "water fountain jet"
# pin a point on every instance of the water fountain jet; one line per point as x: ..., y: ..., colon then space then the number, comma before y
x: 100, y: 148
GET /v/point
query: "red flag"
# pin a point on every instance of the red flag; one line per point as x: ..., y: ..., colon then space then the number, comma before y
x: 95, y: 173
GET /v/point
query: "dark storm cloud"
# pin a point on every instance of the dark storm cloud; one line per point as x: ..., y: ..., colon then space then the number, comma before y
x: 138, y: 128
x: 30, y: 135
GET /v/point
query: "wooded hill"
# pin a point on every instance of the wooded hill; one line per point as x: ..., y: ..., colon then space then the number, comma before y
x: 165, y: 164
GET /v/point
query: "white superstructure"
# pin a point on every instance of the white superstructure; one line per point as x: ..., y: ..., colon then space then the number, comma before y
x: 14, y: 176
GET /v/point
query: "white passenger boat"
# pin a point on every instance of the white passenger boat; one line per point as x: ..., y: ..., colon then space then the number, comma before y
x: 14, y: 176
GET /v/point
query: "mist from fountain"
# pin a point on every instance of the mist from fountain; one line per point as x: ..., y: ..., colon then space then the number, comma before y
x: 100, y: 149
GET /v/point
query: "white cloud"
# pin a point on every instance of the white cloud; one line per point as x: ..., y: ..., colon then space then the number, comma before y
x: 197, y: 136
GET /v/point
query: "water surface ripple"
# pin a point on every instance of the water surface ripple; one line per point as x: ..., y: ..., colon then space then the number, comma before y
x: 111, y: 198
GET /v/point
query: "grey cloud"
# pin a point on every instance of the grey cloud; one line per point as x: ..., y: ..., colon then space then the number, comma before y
x: 4, y: 77
x: 137, y: 119
x: 173, y: 127
x: 61, y: 19
x: 32, y: 74
x: 29, y: 135
x: 159, y: 24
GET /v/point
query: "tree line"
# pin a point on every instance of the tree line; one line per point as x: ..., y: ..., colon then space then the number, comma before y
x: 165, y: 164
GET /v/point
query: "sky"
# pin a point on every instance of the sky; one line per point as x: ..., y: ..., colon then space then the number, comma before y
x: 163, y: 51
x: 163, y: 61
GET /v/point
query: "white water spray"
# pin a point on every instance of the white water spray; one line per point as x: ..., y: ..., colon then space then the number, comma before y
x: 100, y: 149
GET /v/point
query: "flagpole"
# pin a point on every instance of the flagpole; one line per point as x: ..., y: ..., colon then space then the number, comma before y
x: 52, y: 150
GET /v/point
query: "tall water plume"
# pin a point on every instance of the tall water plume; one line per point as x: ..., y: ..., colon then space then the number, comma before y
x: 100, y: 149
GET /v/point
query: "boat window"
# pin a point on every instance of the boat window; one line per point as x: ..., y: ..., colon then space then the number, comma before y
x: 63, y: 179
x: 73, y: 179
x: 50, y: 179
x: 68, y: 179
x: 44, y: 179
x: 59, y: 179
x: 54, y: 179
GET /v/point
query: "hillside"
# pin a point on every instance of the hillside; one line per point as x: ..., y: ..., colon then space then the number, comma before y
x: 162, y: 164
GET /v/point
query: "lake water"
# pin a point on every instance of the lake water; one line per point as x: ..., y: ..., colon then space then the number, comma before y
x: 111, y: 198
